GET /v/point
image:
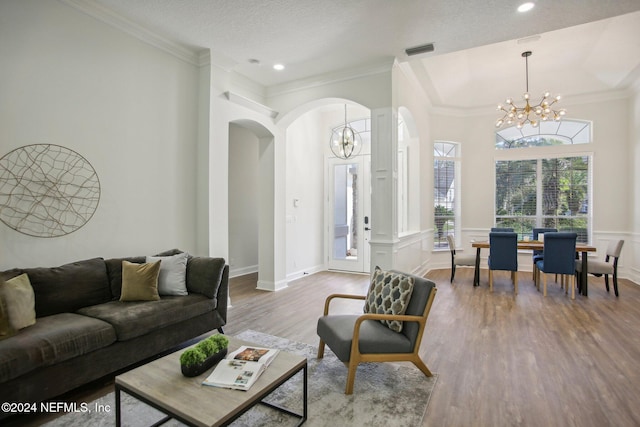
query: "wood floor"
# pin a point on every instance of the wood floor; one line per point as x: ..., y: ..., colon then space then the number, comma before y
x: 501, y: 360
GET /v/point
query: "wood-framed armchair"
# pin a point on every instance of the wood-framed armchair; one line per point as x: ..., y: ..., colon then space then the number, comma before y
x: 361, y: 338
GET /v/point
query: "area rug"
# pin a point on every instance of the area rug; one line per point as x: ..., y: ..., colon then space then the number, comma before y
x: 385, y: 394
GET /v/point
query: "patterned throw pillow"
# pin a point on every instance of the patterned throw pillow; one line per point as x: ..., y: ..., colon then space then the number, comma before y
x: 389, y: 293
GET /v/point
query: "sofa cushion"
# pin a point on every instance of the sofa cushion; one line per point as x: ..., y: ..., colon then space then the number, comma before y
x: 18, y: 298
x: 51, y: 340
x: 136, y: 318
x: 114, y: 271
x: 204, y: 275
x: 140, y: 281
x: 68, y: 287
x: 173, y: 274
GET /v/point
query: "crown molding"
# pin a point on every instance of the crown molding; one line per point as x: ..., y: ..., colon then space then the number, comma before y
x: 204, y: 58
x: 123, y: 24
x: 587, y: 98
x: 591, y: 98
x: 329, y: 78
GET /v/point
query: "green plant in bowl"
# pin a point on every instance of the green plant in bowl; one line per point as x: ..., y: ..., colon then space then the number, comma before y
x: 192, y: 356
x: 203, y: 355
x: 221, y: 341
x: 208, y: 347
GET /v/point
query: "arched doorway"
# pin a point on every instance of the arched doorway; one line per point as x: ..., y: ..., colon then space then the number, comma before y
x: 321, y: 190
x: 251, y: 202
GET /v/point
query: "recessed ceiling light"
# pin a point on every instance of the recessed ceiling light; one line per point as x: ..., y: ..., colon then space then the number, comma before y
x: 525, y: 7
x: 278, y: 67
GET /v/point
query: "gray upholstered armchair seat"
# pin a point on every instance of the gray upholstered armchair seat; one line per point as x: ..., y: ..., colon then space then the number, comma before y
x: 337, y: 332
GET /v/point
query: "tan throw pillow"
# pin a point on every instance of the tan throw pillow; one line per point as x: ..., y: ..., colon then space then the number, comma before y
x: 140, y: 281
x: 389, y: 293
x: 19, y: 301
x: 5, y: 327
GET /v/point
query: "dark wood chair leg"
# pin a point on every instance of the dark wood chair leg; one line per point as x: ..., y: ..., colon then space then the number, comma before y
x: 453, y: 272
x: 606, y: 281
x: 615, y: 283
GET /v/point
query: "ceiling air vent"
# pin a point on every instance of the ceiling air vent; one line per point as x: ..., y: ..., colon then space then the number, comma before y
x: 419, y: 49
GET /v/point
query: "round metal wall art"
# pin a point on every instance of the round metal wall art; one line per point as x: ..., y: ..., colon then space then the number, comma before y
x: 47, y: 190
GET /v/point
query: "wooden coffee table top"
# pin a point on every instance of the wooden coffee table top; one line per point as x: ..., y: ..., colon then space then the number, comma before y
x: 162, y: 383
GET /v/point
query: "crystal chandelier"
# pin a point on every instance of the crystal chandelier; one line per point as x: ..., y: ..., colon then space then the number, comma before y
x: 532, y: 114
x: 345, y: 142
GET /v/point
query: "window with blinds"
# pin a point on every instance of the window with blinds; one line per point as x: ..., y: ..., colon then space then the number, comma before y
x: 544, y: 192
x: 446, y: 171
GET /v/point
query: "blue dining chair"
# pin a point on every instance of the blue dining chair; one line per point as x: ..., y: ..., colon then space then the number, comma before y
x: 559, y: 258
x: 502, y: 229
x: 503, y: 255
x: 538, y: 255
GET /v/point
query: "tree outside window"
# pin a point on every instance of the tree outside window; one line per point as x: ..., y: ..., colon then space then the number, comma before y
x: 551, y: 192
x: 446, y: 167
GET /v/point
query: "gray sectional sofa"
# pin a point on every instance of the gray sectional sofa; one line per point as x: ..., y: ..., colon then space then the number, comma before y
x: 84, y: 332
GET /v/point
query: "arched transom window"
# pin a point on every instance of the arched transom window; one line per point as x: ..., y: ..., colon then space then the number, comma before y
x: 565, y: 132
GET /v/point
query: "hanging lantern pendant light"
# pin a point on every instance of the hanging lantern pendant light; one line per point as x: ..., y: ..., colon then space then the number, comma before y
x: 345, y: 142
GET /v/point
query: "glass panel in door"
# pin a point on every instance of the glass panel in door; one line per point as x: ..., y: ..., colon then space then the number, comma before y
x: 346, y: 224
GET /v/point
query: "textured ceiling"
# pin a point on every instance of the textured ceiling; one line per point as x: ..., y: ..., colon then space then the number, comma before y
x: 315, y: 37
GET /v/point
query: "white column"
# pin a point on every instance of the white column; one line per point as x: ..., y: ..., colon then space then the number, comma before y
x: 384, y: 187
x: 272, y: 218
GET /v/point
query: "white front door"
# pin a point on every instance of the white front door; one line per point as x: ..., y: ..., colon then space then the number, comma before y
x: 349, y: 220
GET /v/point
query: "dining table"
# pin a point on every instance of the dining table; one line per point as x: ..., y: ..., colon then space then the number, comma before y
x: 536, y: 245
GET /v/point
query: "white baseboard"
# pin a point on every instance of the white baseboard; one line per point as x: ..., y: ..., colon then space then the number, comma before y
x: 305, y: 272
x: 241, y: 271
x: 271, y: 286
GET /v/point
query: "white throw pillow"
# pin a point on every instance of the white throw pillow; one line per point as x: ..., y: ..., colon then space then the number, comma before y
x: 173, y: 274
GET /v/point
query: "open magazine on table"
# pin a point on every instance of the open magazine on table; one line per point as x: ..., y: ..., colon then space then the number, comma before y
x: 241, y: 368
